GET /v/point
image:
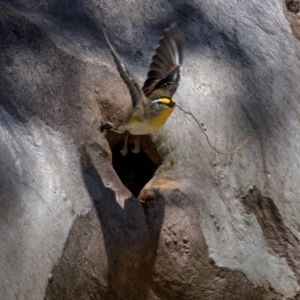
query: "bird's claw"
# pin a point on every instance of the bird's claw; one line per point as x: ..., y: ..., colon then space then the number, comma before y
x: 124, y: 151
x: 137, y: 147
x: 105, y: 126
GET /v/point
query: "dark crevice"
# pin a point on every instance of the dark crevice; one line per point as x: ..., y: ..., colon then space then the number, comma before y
x: 277, y: 234
x: 291, y: 10
x: 134, y: 169
x: 292, y: 5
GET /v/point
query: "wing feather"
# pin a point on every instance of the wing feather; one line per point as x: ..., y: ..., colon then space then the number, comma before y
x: 164, y: 71
x: 134, y: 89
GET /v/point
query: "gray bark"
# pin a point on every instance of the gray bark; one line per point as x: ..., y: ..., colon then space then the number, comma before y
x: 207, y: 225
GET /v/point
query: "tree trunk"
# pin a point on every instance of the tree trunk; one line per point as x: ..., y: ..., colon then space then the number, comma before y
x: 207, y: 210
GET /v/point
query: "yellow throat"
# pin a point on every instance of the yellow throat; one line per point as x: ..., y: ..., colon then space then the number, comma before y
x: 162, y: 117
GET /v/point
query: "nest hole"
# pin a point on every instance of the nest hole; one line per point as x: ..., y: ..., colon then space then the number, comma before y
x: 134, y: 169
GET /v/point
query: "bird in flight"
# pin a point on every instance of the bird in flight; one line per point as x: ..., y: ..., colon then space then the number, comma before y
x: 153, y: 103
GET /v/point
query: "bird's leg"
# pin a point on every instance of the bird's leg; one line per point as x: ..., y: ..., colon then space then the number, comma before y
x: 136, y: 148
x: 124, y: 150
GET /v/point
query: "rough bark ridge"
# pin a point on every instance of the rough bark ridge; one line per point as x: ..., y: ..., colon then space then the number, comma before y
x: 206, y: 226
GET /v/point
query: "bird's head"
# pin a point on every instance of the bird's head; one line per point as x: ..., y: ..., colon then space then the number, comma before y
x: 161, y: 104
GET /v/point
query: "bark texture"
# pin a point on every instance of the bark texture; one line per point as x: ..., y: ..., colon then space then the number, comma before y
x: 206, y: 225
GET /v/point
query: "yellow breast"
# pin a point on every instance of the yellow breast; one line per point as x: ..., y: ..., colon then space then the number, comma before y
x: 137, y: 126
x: 162, y: 118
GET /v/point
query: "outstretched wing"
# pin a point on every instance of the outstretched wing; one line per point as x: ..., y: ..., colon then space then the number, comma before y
x: 134, y: 89
x: 164, y: 73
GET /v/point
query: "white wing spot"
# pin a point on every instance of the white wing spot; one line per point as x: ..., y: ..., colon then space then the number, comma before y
x: 175, y: 50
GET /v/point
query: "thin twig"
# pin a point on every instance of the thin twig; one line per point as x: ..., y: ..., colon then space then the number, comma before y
x: 238, y: 148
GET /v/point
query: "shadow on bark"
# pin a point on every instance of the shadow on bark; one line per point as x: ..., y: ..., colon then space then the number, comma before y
x: 130, y: 237
x: 85, y: 21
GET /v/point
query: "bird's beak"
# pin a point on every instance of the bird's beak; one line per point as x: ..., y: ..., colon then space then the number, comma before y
x: 172, y: 104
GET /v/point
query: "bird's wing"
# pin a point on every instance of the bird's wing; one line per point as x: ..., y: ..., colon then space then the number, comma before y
x: 164, y: 72
x: 134, y: 89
